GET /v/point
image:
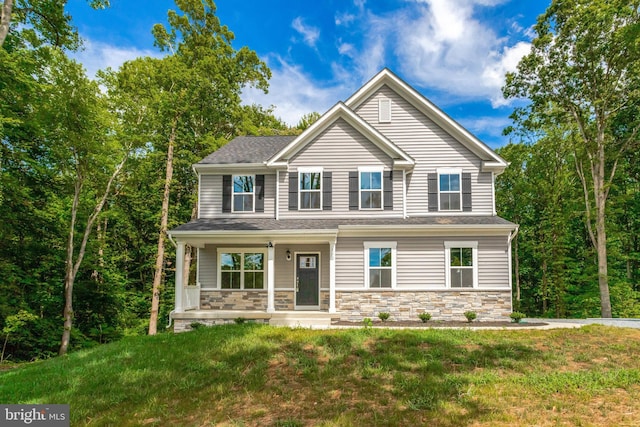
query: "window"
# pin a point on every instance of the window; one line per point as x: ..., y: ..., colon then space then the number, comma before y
x: 370, y: 189
x: 462, y: 264
x: 310, y: 189
x: 243, y: 196
x: 241, y: 270
x: 380, y: 264
x: 450, y: 190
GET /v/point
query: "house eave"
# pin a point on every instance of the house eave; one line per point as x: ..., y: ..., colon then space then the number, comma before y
x: 426, y: 230
x: 230, y: 167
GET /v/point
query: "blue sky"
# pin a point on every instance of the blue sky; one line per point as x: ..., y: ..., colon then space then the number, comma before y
x: 455, y: 52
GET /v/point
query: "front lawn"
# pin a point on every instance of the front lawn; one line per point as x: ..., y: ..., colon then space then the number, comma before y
x: 258, y: 375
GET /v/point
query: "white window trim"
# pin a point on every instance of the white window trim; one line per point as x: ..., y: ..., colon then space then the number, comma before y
x: 381, y: 117
x: 371, y: 169
x: 321, y: 190
x: 233, y: 195
x: 450, y: 171
x: 447, y: 261
x: 369, y: 245
x: 242, y: 251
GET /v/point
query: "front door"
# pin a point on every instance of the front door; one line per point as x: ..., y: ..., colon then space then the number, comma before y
x: 307, y: 283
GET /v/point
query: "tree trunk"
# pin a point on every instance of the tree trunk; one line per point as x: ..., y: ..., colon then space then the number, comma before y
x: 601, y: 248
x: 517, y: 270
x: 71, y: 267
x: 601, y: 233
x: 544, y: 285
x: 67, y: 313
x: 157, y: 277
x: 5, y: 20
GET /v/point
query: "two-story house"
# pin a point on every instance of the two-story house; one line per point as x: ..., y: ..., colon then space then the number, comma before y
x: 385, y: 204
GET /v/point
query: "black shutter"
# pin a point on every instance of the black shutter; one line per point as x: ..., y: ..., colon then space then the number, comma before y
x: 433, y: 192
x: 354, y: 203
x: 326, y: 191
x: 388, y: 190
x: 466, y: 192
x: 293, y: 191
x: 259, y: 193
x: 226, y: 193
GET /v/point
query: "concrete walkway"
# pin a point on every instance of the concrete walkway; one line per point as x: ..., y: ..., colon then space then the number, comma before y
x: 622, y: 323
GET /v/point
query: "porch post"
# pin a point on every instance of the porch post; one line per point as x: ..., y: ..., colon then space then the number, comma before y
x: 179, y: 277
x: 332, y: 277
x: 271, y: 280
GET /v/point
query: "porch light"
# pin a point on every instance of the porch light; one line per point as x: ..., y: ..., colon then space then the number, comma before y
x: 288, y: 255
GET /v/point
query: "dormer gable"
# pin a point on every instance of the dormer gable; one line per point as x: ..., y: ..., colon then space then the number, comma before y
x: 401, y: 160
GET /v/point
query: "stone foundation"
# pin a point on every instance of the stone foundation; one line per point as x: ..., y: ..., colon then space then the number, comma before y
x: 233, y: 300
x: 353, y: 306
x: 284, y: 300
x: 184, y: 325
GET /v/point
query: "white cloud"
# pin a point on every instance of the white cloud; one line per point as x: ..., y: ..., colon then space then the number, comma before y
x: 344, y: 18
x: 440, y: 44
x: 294, y: 93
x: 98, y: 56
x: 494, y: 73
x: 310, y: 34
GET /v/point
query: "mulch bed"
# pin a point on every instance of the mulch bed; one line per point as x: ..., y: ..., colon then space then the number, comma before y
x: 439, y: 324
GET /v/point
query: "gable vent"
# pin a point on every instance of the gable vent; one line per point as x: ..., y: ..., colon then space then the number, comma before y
x: 384, y: 110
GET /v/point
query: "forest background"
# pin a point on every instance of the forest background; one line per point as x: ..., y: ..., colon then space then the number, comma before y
x: 93, y: 172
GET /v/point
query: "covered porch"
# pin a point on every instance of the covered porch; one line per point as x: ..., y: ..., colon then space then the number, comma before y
x: 296, y: 280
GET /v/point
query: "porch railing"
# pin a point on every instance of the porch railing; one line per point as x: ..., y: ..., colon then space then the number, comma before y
x: 192, y: 297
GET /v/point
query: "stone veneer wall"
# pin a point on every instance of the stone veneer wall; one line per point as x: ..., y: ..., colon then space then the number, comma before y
x: 406, y: 305
x: 233, y: 300
x: 324, y: 300
x: 184, y: 325
x: 284, y: 300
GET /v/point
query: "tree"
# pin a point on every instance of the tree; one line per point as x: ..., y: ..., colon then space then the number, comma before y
x: 583, y: 73
x: 192, y: 101
x: 44, y: 17
x: 86, y: 157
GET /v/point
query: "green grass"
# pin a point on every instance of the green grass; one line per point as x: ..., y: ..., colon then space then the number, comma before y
x: 245, y: 375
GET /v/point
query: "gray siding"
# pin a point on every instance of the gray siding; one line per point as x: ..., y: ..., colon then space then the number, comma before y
x: 421, y: 262
x: 431, y: 148
x: 493, y: 267
x: 211, y: 197
x: 340, y: 149
x: 285, y: 270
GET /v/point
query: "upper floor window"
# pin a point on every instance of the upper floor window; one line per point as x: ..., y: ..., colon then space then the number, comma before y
x: 243, y: 193
x: 310, y: 188
x: 450, y: 194
x: 380, y: 264
x: 370, y: 189
x: 462, y: 264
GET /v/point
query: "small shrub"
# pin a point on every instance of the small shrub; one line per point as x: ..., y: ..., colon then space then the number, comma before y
x: 425, y: 317
x: 384, y: 316
x: 470, y: 315
x: 197, y: 325
x: 239, y: 320
x: 367, y: 322
x: 517, y: 316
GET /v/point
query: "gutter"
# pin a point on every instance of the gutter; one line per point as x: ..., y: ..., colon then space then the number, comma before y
x: 513, y: 234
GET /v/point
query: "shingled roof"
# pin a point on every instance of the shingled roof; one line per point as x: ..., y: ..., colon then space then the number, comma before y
x: 247, y: 149
x: 246, y: 224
